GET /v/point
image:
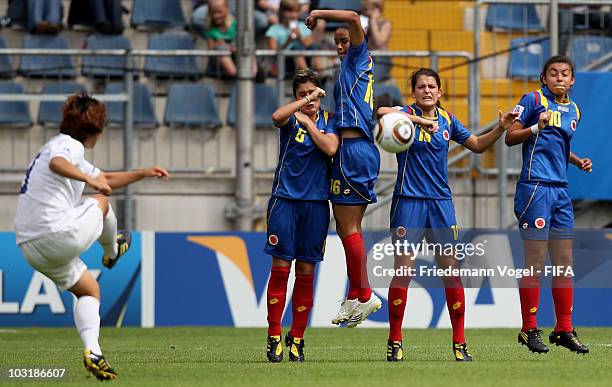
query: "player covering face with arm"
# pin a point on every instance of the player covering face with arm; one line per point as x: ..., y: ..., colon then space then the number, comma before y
x: 357, y: 162
x: 298, y: 210
x: 548, y: 119
x: 53, y: 225
x: 422, y: 202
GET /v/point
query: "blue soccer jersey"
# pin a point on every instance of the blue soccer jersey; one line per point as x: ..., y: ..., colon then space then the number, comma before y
x: 546, y: 154
x: 354, y: 91
x: 303, y: 170
x: 423, y: 169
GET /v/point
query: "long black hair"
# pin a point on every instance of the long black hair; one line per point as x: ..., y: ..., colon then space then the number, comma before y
x: 426, y: 72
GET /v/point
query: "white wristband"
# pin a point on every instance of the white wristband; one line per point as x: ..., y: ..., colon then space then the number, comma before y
x: 534, y: 129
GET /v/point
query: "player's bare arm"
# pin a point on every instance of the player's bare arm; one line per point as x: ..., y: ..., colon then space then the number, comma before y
x: 429, y: 125
x: 281, y: 116
x: 350, y: 17
x: 65, y: 168
x: 327, y: 142
x: 121, y: 179
x: 479, y: 144
x: 517, y: 134
x: 584, y: 164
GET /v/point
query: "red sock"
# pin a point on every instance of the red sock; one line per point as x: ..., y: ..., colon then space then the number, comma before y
x: 276, y: 296
x: 529, y: 292
x: 356, y: 267
x: 398, y: 294
x: 563, y: 296
x: 455, y: 302
x: 301, y: 303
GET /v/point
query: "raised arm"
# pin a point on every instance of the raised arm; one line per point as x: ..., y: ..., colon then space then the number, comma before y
x: 281, y: 116
x: 479, y: 144
x: 429, y: 125
x: 517, y: 134
x: 121, y: 179
x: 350, y: 17
x: 327, y: 142
x: 65, y: 168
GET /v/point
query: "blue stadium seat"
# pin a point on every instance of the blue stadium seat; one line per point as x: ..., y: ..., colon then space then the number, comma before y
x: 6, y: 70
x: 267, y: 102
x: 13, y: 113
x: 144, y: 114
x: 191, y: 104
x: 527, y: 62
x: 171, y: 66
x: 351, y: 5
x: 390, y: 90
x: 157, y: 13
x: 49, y: 112
x: 46, y: 66
x: 588, y: 49
x: 106, y: 66
x: 513, y: 17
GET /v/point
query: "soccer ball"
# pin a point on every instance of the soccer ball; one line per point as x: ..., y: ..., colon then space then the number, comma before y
x: 394, y: 132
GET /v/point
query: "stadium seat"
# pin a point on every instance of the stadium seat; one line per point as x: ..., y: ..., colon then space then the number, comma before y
x: 106, y: 66
x: 527, y: 62
x: 46, y: 66
x: 351, y: 5
x: 391, y: 90
x: 49, y: 112
x: 513, y: 17
x: 191, y: 105
x: 14, y: 113
x: 588, y: 49
x: 267, y: 102
x: 144, y: 114
x: 171, y: 66
x: 157, y: 13
x: 6, y: 70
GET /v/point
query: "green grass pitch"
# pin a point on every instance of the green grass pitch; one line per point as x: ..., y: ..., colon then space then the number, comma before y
x: 351, y: 357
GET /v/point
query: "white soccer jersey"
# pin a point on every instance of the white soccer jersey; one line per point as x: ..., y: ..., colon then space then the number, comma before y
x: 46, y: 197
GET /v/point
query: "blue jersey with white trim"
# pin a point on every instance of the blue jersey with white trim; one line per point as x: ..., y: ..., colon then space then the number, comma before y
x: 303, y: 169
x: 354, y: 91
x: 546, y: 154
x: 422, y: 170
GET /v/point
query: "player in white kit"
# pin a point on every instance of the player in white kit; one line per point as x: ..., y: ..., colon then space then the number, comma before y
x: 54, y: 225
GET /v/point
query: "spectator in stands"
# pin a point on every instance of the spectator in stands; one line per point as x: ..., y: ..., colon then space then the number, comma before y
x: 44, y: 16
x: 107, y: 16
x: 291, y: 34
x: 378, y: 33
x: 266, y: 14
x: 220, y: 33
x: 200, y: 13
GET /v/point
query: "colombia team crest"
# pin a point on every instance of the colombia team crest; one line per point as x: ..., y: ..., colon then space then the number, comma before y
x: 273, y: 239
x: 540, y: 223
x: 446, y: 135
x: 573, y: 125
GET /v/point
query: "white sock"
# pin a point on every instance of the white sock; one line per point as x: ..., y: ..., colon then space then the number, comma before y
x: 87, y: 321
x: 108, y: 238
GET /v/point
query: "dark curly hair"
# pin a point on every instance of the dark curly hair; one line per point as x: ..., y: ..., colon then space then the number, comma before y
x: 303, y: 76
x: 83, y: 117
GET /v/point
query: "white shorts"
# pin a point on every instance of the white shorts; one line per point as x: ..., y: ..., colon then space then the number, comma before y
x: 57, y: 255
